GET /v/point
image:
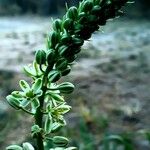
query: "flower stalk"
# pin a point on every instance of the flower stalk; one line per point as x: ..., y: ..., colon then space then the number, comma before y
x: 44, y: 98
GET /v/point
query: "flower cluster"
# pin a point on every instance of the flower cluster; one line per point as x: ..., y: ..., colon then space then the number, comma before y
x: 44, y: 99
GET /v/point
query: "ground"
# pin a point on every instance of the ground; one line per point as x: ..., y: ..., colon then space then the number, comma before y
x: 111, y: 76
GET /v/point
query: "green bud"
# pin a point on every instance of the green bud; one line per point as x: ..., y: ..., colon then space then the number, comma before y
x: 96, y: 9
x: 87, y: 6
x: 57, y: 24
x: 54, y: 38
x: 68, y: 24
x: 78, y: 28
x: 54, y: 76
x: 71, y: 58
x: 78, y: 41
x: 63, y: 49
x: 65, y: 39
x: 14, y: 102
x: 66, y: 71
x: 60, y: 141
x: 66, y: 87
x: 97, y: 2
x: 40, y: 57
x: 61, y: 64
x: 82, y: 14
x: 50, y: 57
x: 77, y: 50
x: 72, y: 13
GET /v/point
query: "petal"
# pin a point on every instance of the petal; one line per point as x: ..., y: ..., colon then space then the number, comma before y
x: 37, y: 85
x: 35, y: 104
x: 24, y: 85
x: 24, y: 103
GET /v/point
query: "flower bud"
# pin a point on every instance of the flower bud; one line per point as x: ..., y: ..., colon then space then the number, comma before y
x: 54, y: 38
x: 57, y: 24
x: 40, y: 57
x: 66, y: 87
x: 63, y: 50
x: 66, y: 71
x: 68, y: 24
x: 87, y: 6
x: 96, y: 9
x: 72, y: 13
x: 61, y: 64
x: 65, y: 39
x: 54, y: 76
x: 60, y: 141
x: 50, y: 57
x: 71, y: 58
x: 78, y: 41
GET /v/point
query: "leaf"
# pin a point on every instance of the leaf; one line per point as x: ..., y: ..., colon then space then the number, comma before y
x: 14, y: 147
x: 27, y: 146
x: 24, y: 85
x: 37, y: 85
x: 14, y: 102
x: 35, y: 104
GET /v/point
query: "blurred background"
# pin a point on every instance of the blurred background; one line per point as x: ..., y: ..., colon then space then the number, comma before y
x: 111, y: 102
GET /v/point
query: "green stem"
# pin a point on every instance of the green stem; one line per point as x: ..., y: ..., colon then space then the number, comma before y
x: 39, y: 114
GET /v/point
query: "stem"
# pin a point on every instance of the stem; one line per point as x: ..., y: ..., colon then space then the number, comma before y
x: 39, y: 114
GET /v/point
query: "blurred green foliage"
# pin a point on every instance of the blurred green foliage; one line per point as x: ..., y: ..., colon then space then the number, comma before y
x: 95, y: 134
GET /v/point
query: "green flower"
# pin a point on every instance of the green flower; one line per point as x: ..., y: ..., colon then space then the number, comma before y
x: 55, y: 116
x: 27, y: 99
